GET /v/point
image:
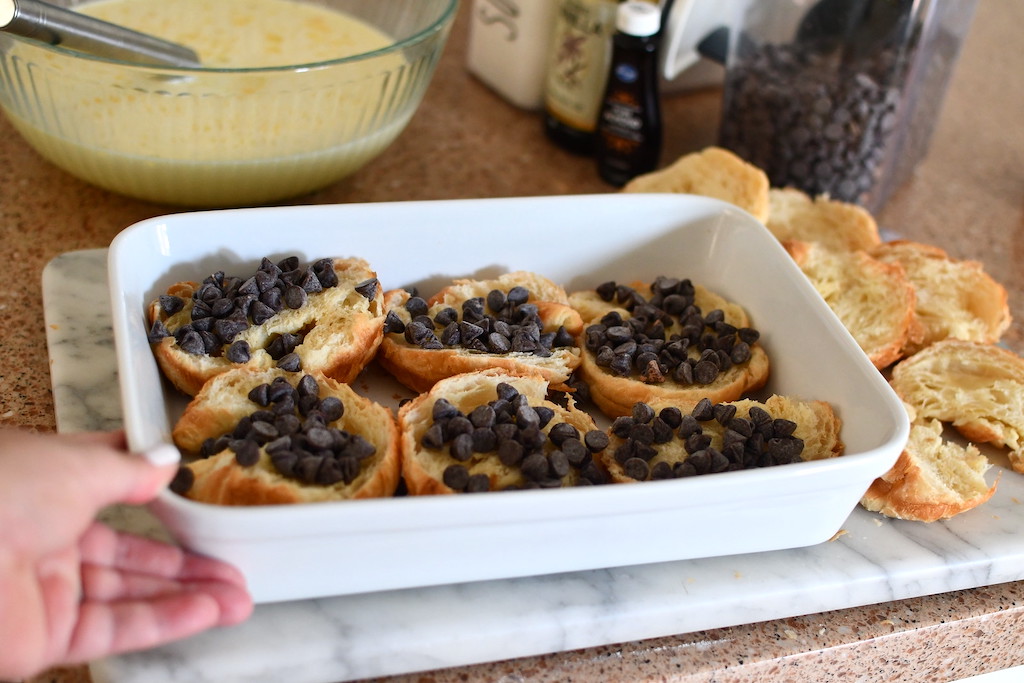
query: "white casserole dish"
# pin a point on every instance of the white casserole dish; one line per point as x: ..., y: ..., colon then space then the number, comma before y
x: 302, y: 551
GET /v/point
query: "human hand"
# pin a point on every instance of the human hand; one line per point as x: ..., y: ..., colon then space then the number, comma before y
x: 72, y: 589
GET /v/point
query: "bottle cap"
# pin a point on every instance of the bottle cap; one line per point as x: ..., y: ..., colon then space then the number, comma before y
x: 638, y: 18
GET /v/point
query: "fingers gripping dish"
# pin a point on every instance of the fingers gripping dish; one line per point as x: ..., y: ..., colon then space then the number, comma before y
x: 323, y: 317
x: 271, y: 436
x: 671, y: 340
x: 660, y: 441
x: 520, y: 321
x: 493, y: 430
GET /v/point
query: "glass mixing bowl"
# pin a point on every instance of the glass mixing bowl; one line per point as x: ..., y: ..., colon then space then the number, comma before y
x: 224, y: 137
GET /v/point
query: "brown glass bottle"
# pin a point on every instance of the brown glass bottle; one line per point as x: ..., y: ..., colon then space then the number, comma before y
x: 629, y: 126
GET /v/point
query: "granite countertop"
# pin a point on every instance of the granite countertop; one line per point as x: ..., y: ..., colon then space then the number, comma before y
x: 464, y: 142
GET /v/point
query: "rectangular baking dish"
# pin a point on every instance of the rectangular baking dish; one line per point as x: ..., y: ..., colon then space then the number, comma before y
x: 314, y: 550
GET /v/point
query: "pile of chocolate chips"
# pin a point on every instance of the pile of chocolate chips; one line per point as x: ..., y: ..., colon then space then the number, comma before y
x: 503, y: 322
x: 758, y: 440
x: 655, y: 342
x: 293, y: 426
x: 225, y: 306
x: 789, y: 111
x: 511, y: 429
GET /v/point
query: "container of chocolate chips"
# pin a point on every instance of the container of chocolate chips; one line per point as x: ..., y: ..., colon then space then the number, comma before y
x: 836, y: 98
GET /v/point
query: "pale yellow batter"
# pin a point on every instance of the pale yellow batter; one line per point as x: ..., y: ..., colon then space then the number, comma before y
x: 213, y: 139
x: 244, y: 33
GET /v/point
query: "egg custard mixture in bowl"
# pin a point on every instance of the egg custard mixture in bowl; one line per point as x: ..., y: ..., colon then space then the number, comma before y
x: 292, y: 95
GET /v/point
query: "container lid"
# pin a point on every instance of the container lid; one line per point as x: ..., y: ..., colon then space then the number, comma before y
x: 638, y: 18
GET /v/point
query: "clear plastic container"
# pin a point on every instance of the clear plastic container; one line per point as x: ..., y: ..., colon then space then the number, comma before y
x: 839, y: 97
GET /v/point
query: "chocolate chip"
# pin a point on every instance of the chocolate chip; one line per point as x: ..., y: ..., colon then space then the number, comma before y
x: 368, y: 288
x: 287, y: 424
x: 783, y: 427
x: 606, y: 290
x: 636, y: 468
x: 171, y: 304
x: 332, y: 408
x: 544, y: 415
x: 558, y: 464
x: 288, y: 263
x: 433, y: 437
x: 461, y: 447
x: 260, y: 394
x: 416, y: 305
x: 309, y: 282
x: 478, y: 483
x: 510, y: 452
x: 192, y: 343
x: 157, y: 332
x: 393, y: 324
x: 496, y: 299
x: 498, y: 343
x: 183, y: 480
x: 324, y: 269
x: 272, y: 299
x: 227, y: 329
x: 290, y: 362
x: 661, y: 470
x: 723, y: 412
x: 562, y: 431
x: 455, y: 477
x: 703, y: 410
x: 671, y: 416
x: 595, y: 440
x: 535, y: 467
x: 247, y: 453
x: 576, y: 453
x: 294, y: 297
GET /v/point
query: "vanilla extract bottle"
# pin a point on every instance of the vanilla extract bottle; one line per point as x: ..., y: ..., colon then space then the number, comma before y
x: 577, y: 72
x: 629, y: 127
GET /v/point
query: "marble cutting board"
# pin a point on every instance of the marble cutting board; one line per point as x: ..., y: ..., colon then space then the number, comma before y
x: 872, y: 560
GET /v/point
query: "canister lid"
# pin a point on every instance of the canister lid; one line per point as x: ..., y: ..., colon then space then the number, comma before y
x: 638, y: 18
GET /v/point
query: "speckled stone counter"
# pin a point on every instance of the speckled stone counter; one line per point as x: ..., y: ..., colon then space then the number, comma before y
x: 967, y: 197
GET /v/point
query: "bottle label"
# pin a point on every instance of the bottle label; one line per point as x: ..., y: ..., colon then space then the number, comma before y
x: 578, y: 66
x: 626, y: 73
x: 622, y: 124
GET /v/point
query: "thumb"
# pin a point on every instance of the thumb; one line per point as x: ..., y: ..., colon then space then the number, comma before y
x: 113, y: 476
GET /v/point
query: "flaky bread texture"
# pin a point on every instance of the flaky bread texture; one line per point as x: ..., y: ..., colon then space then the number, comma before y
x: 419, y: 368
x: 932, y: 479
x: 342, y: 332
x: 955, y: 299
x: 615, y: 395
x: 712, y: 172
x: 796, y: 216
x: 816, y: 423
x: 874, y: 300
x: 220, y: 480
x: 978, y: 388
x: 423, y: 468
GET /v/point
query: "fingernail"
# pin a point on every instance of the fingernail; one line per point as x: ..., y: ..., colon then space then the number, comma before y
x: 162, y: 454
